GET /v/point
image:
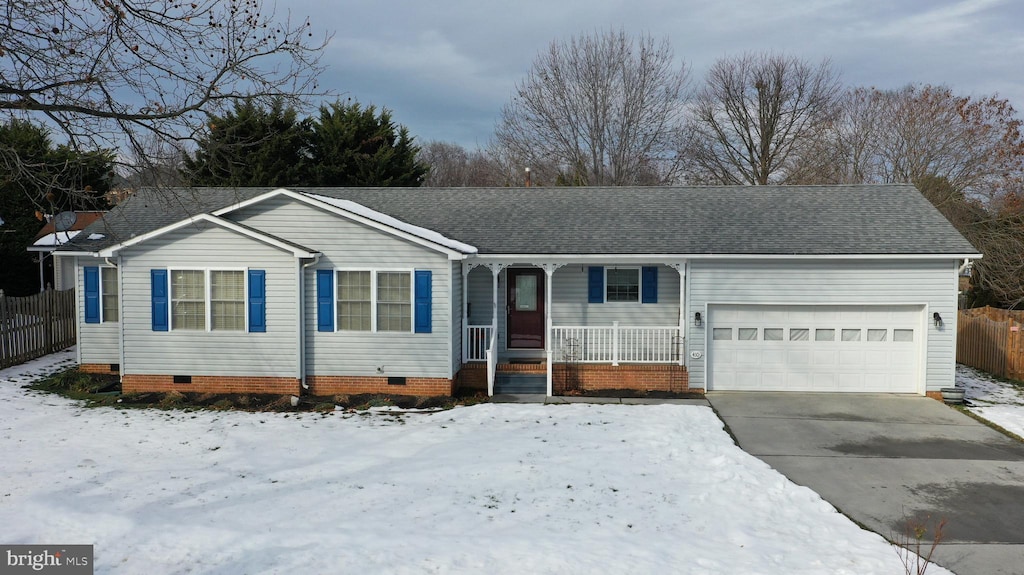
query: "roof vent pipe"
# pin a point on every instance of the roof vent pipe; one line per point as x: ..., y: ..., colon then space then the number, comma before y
x: 528, y: 182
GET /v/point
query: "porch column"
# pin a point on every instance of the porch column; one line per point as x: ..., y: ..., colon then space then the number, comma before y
x: 466, y: 268
x: 492, y: 361
x: 684, y: 310
x: 549, y: 272
x: 495, y: 270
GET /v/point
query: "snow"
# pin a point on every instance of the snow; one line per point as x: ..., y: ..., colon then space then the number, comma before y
x: 493, y: 488
x: 96, y: 237
x: 56, y: 238
x: 1000, y: 402
x: 361, y: 210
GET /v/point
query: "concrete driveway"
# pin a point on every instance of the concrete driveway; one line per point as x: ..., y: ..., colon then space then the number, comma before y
x: 882, y: 458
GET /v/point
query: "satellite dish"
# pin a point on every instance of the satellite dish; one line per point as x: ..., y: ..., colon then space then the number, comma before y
x: 63, y: 221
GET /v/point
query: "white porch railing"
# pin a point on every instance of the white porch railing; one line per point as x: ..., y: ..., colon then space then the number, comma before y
x: 492, y: 362
x: 615, y: 343
x: 478, y: 338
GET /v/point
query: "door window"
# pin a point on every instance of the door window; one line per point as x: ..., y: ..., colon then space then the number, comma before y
x: 526, y: 293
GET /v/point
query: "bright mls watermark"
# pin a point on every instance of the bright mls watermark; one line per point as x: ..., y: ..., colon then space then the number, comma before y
x: 59, y: 559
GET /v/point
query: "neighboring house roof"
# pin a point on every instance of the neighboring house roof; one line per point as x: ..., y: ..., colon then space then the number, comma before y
x: 885, y: 219
x: 48, y: 238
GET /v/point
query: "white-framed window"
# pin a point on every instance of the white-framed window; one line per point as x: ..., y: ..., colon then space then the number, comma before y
x: 109, y: 309
x: 374, y: 300
x: 355, y: 300
x: 208, y: 299
x: 227, y: 300
x: 622, y: 285
x: 394, y: 301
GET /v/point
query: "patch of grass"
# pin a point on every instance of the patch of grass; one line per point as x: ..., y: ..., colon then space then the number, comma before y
x: 94, y: 389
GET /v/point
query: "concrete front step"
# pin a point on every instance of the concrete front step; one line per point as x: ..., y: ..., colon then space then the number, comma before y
x: 520, y: 383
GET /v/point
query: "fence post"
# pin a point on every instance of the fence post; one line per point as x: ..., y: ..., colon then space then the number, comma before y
x: 48, y: 302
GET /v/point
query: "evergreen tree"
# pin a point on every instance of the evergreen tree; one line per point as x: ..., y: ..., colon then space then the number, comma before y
x: 251, y: 146
x: 43, y: 180
x: 354, y: 146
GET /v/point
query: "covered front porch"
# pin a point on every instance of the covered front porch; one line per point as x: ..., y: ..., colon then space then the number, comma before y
x: 558, y: 327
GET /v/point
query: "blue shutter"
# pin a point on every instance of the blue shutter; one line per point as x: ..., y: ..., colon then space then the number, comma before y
x: 92, y: 294
x: 158, y: 293
x: 325, y: 300
x: 650, y: 283
x: 595, y: 285
x: 423, y: 298
x: 257, y: 301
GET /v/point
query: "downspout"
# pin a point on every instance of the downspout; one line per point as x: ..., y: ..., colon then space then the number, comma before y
x: 120, y: 315
x: 301, y: 295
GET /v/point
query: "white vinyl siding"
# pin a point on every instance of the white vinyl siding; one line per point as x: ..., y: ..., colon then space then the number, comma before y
x: 352, y: 246
x: 203, y: 352
x: 930, y: 284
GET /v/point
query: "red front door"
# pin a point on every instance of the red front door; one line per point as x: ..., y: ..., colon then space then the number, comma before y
x: 525, y: 309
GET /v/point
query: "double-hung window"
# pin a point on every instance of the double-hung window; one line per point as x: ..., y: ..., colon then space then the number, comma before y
x: 100, y: 290
x: 188, y: 299
x: 622, y: 284
x: 208, y: 300
x: 394, y: 301
x: 374, y: 300
x: 227, y: 300
x: 108, y: 294
x: 355, y: 301
x: 217, y: 296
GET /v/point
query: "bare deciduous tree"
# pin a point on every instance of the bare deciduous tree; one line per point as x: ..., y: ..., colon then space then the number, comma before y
x: 604, y: 109
x: 755, y: 113
x: 965, y: 154
x: 106, y: 73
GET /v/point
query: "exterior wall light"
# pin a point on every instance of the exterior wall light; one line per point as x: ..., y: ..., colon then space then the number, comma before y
x: 698, y: 321
x: 938, y: 319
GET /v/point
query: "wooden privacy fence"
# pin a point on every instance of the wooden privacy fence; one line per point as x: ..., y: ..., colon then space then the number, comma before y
x: 991, y: 340
x: 35, y: 325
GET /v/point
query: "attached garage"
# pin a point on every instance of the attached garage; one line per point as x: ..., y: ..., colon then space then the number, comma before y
x: 818, y: 348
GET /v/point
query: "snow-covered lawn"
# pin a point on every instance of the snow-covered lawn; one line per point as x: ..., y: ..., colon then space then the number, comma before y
x: 997, y: 401
x: 484, y: 489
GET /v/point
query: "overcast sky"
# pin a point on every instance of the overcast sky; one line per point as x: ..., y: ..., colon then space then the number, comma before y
x: 446, y: 67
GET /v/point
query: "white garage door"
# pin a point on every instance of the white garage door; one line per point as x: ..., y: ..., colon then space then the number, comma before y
x: 815, y: 348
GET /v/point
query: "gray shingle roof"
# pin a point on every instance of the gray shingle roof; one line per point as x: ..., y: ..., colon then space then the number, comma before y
x: 746, y: 220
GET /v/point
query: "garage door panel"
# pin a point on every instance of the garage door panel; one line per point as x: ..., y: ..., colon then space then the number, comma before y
x: 816, y: 348
x: 799, y: 357
x: 853, y: 358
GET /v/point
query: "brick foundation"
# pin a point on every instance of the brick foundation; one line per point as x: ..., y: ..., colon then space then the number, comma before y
x: 934, y: 395
x: 644, y: 377
x: 103, y: 368
x: 347, y: 384
x: 472, y: 377
x: 659, y: 377
x: 134, y: 383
